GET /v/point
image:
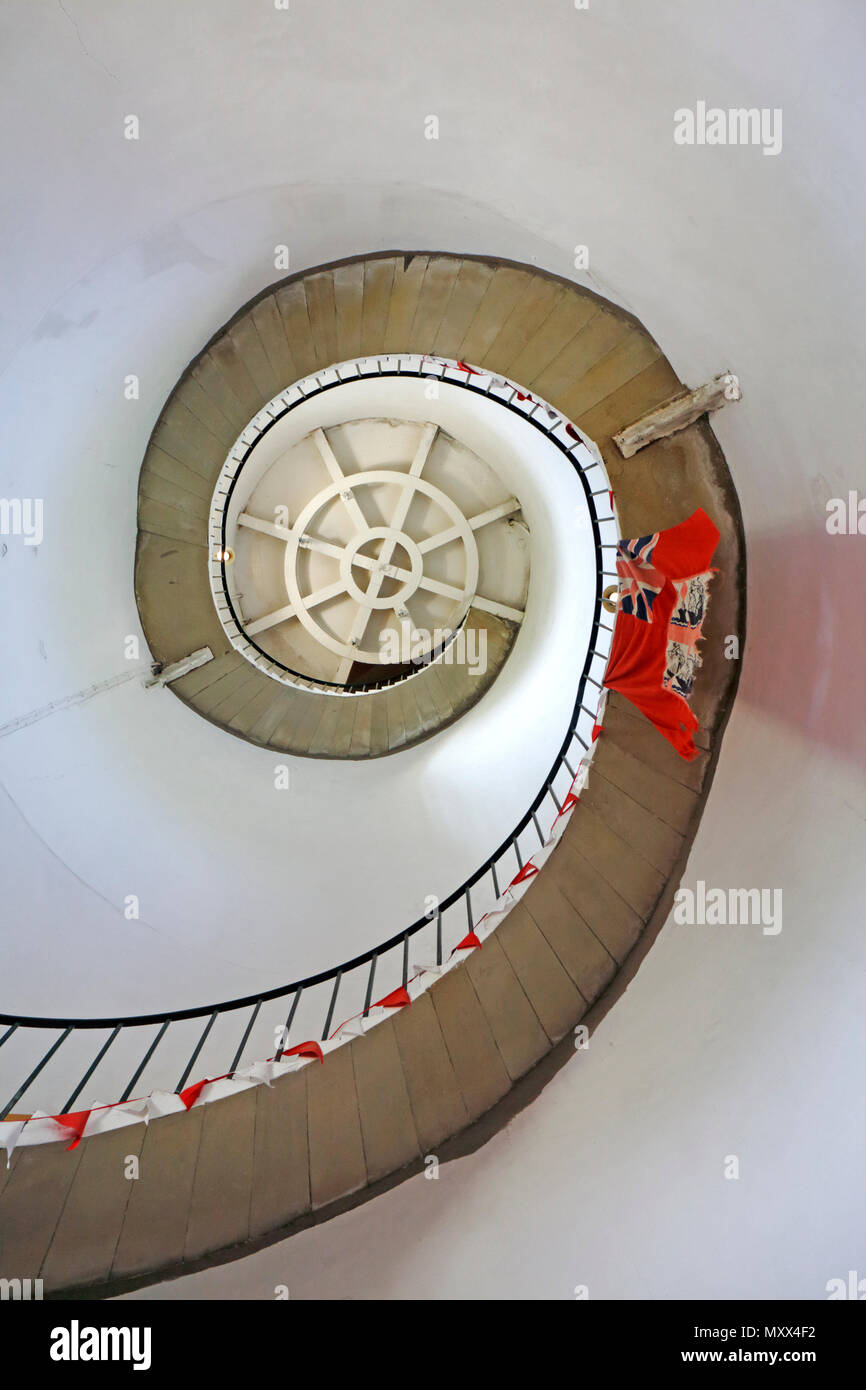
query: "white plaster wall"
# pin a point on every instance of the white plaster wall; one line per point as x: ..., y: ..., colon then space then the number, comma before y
x: 556, y: 129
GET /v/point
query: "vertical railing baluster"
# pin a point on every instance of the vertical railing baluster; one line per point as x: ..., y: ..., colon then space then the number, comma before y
x: 199, y: 1045
x: 147, y: 1056
x: 469, y: 911
x: 289, y: 1021
x: 8, y: 1034
x: 537, y: 827
x: 368, y: 997
x: 495, y: 882
x: 405, y: 960
x: 243, y: 1042
x: 331, y: 1005
x: 439, y: 937
x: 10, y: 1106
x: 90, y: 1070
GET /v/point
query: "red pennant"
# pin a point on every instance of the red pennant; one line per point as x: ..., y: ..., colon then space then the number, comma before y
x: 192, y: 1093
x: 569, y: 429
x: 469, y: 941
x: 610, y: 495
x: 305, y: 1049
x: 75, y: 1124
x: 596, y: 730
x: 470, y: 370
x: 570, y: 801
x: 526, y: 872
x: 397, y: 999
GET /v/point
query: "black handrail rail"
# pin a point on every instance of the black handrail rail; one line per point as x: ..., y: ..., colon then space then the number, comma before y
x: 374, y: 955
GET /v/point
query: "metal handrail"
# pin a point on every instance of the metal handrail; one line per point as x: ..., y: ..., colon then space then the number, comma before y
x: 374, y: 955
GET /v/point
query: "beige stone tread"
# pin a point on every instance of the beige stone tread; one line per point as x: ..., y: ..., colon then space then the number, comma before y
x: 379, y: 730
x: 636, y: 880
x: 292, y: 304
x: 412, y: 718
x: 235, y: 701
x: 159, y: 464
x: 337, y: 1164
x: 281, y: 1167
x: 31, y: 1205
x: 337, y: 710
x: 98, y: 1196
x: 250, y: 350
x: 165, y: 569
x: 395, y: 716
x: 477, y: 1061
x: 507, y: 285
x: 183, y: 437
x: 569, y: 316
x: 205, y: 409
x: 222, y: 1185
x: 223, y: 693
x: 667, y: 798
x: 608, y: 916
x: 434, y: 1092
x: 349, y: 309
x: 579, y: 949
x: 168, y: 522
x: 378, y: 280
x: 549, y: 987
x: 470, y: 287
x: 267, y: 698
x: 437, y: 288
x: 207, y: 375
x: 519, y: 1036
x: 648, y: 836
x: 409, y: 273
x: 153, y: 1232
x: 174, y: 494
x: 297, y: 727
x: 387, y: 1123
x: 272, y: 335
x: 362, y: 729
x: 283, y: 705
x: 615, y: 369
x: 528, y: 315
x: 235, y: 376
x: 322, y: 312
x: 602, y: 332
x: 341, y: 735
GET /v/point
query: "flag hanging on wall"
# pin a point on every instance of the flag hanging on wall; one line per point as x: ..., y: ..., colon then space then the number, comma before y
x: 663, y: 594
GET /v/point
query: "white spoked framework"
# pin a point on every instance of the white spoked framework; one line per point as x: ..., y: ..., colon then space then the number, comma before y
x: 372, y: 553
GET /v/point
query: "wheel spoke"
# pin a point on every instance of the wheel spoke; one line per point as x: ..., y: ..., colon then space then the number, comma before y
x: 476, y: 522
x: 338, y: 476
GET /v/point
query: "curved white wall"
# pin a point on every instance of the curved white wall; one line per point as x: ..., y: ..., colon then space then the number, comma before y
x: 259, y: 128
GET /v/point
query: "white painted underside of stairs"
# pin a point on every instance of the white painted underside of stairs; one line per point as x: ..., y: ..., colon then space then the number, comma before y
x: 555, y: 126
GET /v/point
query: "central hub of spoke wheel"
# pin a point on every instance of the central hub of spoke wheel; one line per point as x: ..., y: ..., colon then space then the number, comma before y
x: 398, y: 576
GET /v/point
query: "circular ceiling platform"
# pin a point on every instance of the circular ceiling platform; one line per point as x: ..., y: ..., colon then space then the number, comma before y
x: 350, y: 557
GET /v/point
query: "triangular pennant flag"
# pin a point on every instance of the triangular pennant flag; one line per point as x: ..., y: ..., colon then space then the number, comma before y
x: 596, y: 730
x: 305, y: 1049
x: 75, y: 1124
x: 526, y: 872
x: 192, y: 1093
x: 469, y: 942
x: 397, y: 999
x: 568, y: 804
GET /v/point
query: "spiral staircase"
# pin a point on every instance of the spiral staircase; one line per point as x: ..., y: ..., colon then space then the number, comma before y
x: 442, y: 1074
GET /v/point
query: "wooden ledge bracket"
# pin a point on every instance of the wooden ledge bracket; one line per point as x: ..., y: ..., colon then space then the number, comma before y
x: 678, y: 413
x: 163, y: 674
